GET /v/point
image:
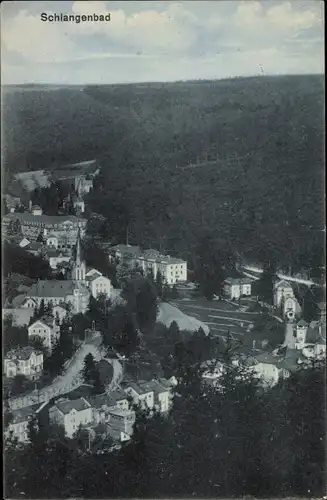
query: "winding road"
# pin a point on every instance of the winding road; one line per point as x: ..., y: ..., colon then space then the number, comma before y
x: 71, y: 378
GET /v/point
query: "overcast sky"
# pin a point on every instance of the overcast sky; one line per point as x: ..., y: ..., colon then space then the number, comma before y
x: 160, y: 41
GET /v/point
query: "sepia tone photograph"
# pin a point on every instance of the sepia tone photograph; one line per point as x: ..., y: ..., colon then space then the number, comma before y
x: 163, y: 249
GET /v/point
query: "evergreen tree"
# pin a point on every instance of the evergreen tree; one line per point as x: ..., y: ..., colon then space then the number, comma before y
x: 146, y: 305
x: 98, y: 387
x: 88, y: 368
x: 174, y: 292
x: 159, y: 284
x: 42, y: 309
x: 266, y: 283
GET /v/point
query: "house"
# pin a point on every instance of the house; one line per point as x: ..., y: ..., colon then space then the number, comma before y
x: 121, y: 421
x: 71, y: 414
x: 141, y: 394
x: 56, y: 257
x: 314, y: 344
x: 79, y: 205
x: 51, y: 241
x: 20, y: 316
x: 46, y: 330
x: 23, y: 361
x: 22, y: 300
x: 99, y: 285
x: 18, y: 426
x: 263, y: 367
x: 300, y: 333
x: 36, y: 210
x: 61, y: 291
x: 237, y: 287
x: 34, y: 248
x: 125, y: 253
x: 162, y: 394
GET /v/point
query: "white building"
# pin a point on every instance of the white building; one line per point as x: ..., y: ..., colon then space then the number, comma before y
x: 56, y: 257
x: 23, y: 361
x: 156, y: 394
x: 172, y: 270
x: 18, y: 427
x: 46, y: 330
x: 71, y: 414
x: 237, y: 287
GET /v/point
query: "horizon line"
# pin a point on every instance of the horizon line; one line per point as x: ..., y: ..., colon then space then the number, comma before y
x: 259, y: 76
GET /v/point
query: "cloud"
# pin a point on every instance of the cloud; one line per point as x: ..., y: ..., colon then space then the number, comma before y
x: 236, y: 36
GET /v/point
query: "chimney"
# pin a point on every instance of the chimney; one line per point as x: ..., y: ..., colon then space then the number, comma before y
x: 30, y: 205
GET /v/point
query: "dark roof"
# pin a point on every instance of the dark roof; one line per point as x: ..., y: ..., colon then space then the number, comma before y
x: 315, y: 336
x: 52, y: 288
x: 302, y: 323
x: 23, y: 353
x: 18, y: 301
x: 24, y: 414
x: 67, y: 406
x: 44, y: 219
x: 118, y: 395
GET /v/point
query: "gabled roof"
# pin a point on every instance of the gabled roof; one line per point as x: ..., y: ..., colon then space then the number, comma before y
x: 52, y: 288
x: 23, y: 353
x: 283, y: 284
x: 238, y: 281
x: 24, y: 414
x: 118, y: 395
x: 46, y: 321
x: 19, y: 300
x: 67, y: 406
x: 302, y: 323
x: 266, y: 358
x: 315, y: 336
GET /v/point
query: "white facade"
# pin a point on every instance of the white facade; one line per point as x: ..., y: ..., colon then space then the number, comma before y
x: 51, y: 241
x: 268, y: 373
x: 100, y: 286
x: 144, y: 399
x: 48, y: 334
x: 71, y: 415
x: 237, y: 287
x: 25, y: 361
x: 282, y: 290
x: 60, y: 258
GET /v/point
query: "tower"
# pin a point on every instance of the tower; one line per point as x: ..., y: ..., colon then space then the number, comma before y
x: 79, y: 268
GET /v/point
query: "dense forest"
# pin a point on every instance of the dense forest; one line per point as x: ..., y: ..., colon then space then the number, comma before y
x: 241, y: 160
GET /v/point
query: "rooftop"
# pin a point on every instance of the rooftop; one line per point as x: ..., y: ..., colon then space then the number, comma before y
x: 238, y: 281
x: 26, y: 217
x: 302, y: 323
x: 23, y: 414
x: 23, y: 353
x: 52, y: 288
x: 67, y: 406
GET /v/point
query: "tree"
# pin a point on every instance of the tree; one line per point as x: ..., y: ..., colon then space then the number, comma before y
x: 174, y: 292
x: 146, y: 305
x: 209, y: 271
x: 173, y: 334
x: 42, y: 309
x: 88, y: 368
x: 98, y: 387
x: 266, y: 283
x: 159, y: 284
x: 19, y: 384
x: 38, y: 344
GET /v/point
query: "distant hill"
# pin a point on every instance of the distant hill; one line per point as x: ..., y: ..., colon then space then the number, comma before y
x: 256, y: 146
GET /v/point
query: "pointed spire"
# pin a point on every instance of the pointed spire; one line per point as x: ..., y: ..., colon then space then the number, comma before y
x: 78, y: 259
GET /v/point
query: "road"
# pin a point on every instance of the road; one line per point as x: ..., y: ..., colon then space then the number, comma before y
x: 281, y: 276
x: 71, y: 378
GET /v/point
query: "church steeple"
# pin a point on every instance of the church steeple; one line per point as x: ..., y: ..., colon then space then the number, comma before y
x: 78, y: 258
x: 79, y: 268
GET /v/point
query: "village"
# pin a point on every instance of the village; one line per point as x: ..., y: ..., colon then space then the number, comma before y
x: 74, y: 400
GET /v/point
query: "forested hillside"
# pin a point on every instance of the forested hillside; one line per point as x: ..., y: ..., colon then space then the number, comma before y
x: 256, y: 145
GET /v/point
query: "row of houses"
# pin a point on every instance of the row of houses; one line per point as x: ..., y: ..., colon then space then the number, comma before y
x: 108, y: 413
x: 172, y: 270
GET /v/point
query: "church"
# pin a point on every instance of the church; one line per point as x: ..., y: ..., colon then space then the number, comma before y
x: 75, y: 291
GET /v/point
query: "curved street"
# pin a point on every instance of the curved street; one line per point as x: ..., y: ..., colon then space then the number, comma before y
x: 71, y: 378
